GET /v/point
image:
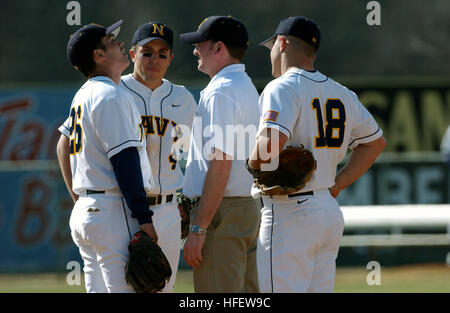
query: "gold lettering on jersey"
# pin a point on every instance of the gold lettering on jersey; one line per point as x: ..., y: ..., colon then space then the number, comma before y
x: 335, y: 113
x: 161, y: 125
x: 147, y: 124
x: 76, y: 131
x: 177, y: 131
x: 141, y: 131
x: 335, y: 118
x: 320, y: 140
x: 158, y: 29
x: 172, y: 161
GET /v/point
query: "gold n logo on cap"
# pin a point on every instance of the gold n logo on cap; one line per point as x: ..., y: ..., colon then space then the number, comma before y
x: 159, y: 29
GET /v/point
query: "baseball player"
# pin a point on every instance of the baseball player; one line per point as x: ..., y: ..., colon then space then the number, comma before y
x: 102, y: 146
x: 300, y: 233
x: 167, y: 111
x: 222, y: 239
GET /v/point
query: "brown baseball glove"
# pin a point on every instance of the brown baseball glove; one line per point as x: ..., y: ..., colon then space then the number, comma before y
x: 147, y: 269
x: 296, y: 167
x: 185, y: 205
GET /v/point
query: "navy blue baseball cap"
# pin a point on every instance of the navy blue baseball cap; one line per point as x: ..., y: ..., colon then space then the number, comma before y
x: 85, y: 40
x: 227, y: 29
x: 298, y: 26
x: 152, y: 31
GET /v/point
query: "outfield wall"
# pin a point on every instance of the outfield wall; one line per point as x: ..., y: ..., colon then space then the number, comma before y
x: 35, y: 207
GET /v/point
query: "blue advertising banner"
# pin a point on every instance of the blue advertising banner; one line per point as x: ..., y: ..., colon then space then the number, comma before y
x: 35, y: 206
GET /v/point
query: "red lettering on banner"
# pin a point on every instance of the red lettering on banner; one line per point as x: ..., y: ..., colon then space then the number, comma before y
x: 30, y: 141
x: 15, y: 105
x: 23, y: 138
x: 61, y: 236
x: 53, y: 141
x: 32, y: 209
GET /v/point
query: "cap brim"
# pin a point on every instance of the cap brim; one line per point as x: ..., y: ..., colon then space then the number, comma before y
x: 146, y: 40
x: 114, y: 29
x: 192, y: 38
x: 268, y: 43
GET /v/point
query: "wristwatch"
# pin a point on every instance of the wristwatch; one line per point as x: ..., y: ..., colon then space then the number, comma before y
x: 195, y: 229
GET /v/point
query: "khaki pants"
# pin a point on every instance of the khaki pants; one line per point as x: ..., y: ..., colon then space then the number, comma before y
x: 229, y: 252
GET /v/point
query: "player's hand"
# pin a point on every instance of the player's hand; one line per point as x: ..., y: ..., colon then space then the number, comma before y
x: 334, y: 191
x: 150, y: 230
x: 192, y: 251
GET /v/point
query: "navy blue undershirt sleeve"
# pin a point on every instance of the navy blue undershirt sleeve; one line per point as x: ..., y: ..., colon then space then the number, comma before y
x: 127, y: 168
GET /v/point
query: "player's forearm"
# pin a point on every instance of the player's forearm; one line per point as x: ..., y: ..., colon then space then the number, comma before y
x: 127, y: 169
x: 213, y: 190
x: 63, y: 154
x: 267, y: 148
x: 361, y: 159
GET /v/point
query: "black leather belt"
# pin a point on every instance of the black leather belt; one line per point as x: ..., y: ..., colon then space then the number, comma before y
x: 298, y: 194
x: 93, y: 192
x: 155, y: 200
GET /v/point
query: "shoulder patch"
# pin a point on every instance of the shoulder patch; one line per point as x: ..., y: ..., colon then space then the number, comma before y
x: 271, y: 116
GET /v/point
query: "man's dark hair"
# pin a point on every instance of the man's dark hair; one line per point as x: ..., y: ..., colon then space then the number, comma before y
x: 87, y: 68
x: 235, y: 52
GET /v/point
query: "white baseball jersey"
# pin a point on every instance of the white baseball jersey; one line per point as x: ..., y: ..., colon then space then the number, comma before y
x: 227, y: 119
x: 327, y: 118
x: 102, y: 122
x: 167, y: 113
x: 315, y: 111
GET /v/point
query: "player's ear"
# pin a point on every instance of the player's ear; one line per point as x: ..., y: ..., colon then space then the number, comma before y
x: 132, y: 55
x: 218, y: 47
x: 99, y: 55
x: 283, y: 44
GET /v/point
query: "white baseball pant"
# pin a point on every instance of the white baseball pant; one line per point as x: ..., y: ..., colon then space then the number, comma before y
x: 101, y: 226
x: 298, y: 243
x: 167, y: 222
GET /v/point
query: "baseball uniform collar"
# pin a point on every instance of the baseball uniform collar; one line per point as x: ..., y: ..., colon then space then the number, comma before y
x: 239, y: 67
x: 105, y: 79
x: 313, y: 75
x: 165, y: 86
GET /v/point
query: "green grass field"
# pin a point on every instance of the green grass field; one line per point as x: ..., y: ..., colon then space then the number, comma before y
x: 417, y: 278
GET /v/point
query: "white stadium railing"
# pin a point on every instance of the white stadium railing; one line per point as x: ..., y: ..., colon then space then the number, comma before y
x: 358, y: 219
x: 397, y: 218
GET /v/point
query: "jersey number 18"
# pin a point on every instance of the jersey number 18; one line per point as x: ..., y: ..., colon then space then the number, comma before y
x: 332, y: 135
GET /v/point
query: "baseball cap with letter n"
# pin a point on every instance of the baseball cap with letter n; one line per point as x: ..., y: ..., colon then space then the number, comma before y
x: 219, y: 28
x: 85, y: 40
x: 152, y: 31
x: 297, y: 26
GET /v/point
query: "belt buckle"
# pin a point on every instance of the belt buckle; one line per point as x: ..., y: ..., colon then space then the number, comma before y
x: 154, y: 200
x: 158, y: 199
x: 94, y: 192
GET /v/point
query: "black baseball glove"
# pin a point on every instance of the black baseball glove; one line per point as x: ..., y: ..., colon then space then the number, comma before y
x: 185, y: 205
x: 295, y: 169
x: 148, y: 269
